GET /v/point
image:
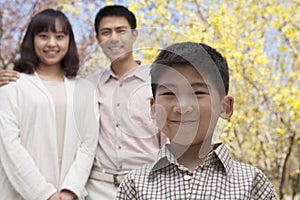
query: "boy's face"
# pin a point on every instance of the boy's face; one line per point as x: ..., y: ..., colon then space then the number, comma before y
x: 116, y: 37
x: 186, y: 107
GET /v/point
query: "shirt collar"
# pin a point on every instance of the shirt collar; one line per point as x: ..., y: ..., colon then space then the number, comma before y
x: 165, y: 157
x: 137, y: 72
x: 219, y: 153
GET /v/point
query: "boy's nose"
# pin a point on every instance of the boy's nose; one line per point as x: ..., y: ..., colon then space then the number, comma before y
x: 183, y: 109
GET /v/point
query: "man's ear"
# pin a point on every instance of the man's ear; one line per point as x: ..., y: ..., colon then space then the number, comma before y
x: 96, y: 36
x: 135, y: 33
x: 227, y: 107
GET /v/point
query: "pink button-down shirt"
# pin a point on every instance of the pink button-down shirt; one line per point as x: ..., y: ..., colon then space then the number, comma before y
x: 128, y: 136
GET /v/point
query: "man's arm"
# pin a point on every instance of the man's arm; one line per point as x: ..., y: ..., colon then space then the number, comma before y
x: 8, y: 75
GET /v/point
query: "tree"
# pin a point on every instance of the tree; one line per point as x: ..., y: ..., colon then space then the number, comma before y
x: 259, y: 39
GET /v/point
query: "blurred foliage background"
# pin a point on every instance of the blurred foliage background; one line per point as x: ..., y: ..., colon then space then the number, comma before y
x: 259, y: 38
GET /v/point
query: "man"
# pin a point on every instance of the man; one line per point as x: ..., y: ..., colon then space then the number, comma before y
x: 7, y: 76
x: 128, y: 137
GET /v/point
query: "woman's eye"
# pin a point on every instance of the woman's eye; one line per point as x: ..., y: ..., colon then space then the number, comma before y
x: 60, y: 37
x: 43, y: 36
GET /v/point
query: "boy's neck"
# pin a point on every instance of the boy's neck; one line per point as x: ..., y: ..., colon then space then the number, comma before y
x: 192, y: 156
x: 123, y: 65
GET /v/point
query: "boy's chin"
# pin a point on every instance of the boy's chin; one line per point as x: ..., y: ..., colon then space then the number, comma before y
x: 192, y: 143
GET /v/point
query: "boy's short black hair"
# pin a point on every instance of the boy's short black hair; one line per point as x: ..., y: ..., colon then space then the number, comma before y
x: 208, y: 62
x: 117, y: 11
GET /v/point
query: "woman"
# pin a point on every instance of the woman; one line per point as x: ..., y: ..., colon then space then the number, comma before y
x: 48, y: 128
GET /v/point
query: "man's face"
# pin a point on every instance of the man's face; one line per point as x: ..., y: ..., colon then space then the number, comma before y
x: 186, y: 107
x: 116, y: 37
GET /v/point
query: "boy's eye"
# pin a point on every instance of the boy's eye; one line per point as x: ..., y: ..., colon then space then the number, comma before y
x: 168, y: 93
x: 199, y: 93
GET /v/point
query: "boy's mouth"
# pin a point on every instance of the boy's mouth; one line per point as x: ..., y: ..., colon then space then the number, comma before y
x: 183, y: 122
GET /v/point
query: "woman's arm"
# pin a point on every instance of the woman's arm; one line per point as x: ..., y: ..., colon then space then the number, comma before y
x: 17, y: 163
x: 87, y: 123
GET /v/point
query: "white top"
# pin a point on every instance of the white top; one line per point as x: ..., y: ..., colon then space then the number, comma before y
x: 29, y: 167
x: 58, y: 93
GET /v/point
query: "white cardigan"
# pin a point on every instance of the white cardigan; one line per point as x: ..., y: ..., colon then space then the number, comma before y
x: 29, y: 166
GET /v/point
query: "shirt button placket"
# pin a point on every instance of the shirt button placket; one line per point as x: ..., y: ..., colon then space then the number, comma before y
x: 197, y: 189
x: 187, y: 178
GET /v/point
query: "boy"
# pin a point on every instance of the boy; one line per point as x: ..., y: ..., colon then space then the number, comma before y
x: 190, y: 92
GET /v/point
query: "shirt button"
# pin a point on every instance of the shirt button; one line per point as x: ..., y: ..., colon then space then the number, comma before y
x: 118, y: 104
x: 119, y: 147
x: 117, y: 125
x: 121, y: 85
x: 187, y: 177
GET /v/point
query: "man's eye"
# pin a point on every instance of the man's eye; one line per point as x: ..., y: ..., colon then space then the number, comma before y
x: 122, y: 31
x: 105, y: 33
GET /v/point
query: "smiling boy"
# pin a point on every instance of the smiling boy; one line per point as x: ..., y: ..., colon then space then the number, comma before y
x: 190, y: 83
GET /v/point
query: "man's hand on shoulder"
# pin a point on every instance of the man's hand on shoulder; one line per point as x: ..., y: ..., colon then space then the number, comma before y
x: 8, y: 75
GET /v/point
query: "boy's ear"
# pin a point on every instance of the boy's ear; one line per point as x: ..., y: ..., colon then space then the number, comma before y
x: 227, y: 107
x: 152, y: 107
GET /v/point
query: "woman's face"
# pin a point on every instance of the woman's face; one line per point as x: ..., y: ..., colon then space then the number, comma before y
x: 51, y: 47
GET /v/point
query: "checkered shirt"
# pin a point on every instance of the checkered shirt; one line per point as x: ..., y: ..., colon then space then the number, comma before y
x: 218, y: 178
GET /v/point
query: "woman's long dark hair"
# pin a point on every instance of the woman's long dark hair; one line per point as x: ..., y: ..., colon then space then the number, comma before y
x: 43, y: 22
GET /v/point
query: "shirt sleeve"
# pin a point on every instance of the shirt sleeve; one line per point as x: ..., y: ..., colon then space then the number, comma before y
x: 262, y: 188
x: 87, y: 124
x: 18, y: 165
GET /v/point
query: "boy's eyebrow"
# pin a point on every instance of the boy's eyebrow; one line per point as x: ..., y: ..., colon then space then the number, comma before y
x: 166, y: 85
x: 170, y: 85
x: 199, y: 84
